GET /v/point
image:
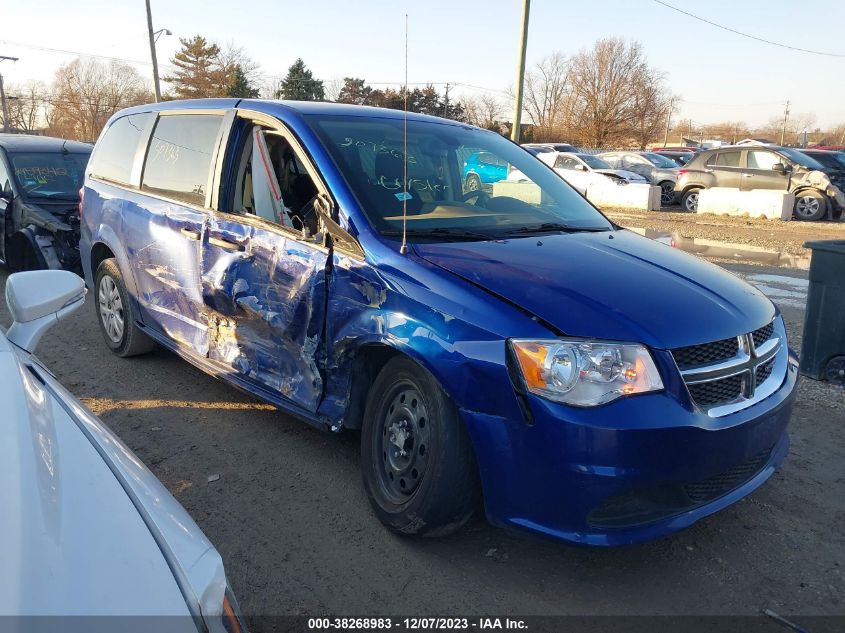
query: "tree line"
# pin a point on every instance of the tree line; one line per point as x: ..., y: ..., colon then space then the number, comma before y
x: 605, y: 96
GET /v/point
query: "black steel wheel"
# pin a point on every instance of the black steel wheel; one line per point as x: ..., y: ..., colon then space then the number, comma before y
x: 418, y: 467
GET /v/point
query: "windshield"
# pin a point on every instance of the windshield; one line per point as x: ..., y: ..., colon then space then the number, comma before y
x: 49, y: 174
x: 801, y: 158
x: 594, y: 161
x: 660, y: 161
x: 839, y: 157
x: 449, y: 196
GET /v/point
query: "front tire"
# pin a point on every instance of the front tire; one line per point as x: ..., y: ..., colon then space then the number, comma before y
x: 810, y: 205
x: 418, y: 467
x: 115, y: 314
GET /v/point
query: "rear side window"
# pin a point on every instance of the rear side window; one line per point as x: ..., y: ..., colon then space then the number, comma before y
x: 179, y: 158
x: 728, y: 159
x: 115, y: 153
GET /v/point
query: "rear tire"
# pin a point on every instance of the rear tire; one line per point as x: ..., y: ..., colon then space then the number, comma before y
x: 115, y: 314
x: 689, y: 201
x: 810, y: 205
x: 667, y: 193
x: 417, y: 461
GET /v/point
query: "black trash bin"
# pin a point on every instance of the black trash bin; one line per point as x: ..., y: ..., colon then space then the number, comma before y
x: 823, y: 344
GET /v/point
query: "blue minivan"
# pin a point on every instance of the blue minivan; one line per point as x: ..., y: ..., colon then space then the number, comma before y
x: 509, y: 347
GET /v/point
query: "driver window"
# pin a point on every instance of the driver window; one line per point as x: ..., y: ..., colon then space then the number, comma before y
x: 272, y: 182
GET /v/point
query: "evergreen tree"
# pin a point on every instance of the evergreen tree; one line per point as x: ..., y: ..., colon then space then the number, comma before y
x: 300, y: 85
x: 355, y: 91
x: 199, y: 72
x: 239, y: 85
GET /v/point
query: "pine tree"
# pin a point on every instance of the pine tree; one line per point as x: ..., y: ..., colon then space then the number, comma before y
x: 239, y: 85
x: 199, y: 72
x: 300, y: 85
x: 355, y: 91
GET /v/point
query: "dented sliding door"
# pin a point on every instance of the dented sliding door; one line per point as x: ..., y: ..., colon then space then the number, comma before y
x: 265, y: 296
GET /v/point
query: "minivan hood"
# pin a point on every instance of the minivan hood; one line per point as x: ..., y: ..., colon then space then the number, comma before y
x: 612, y: 285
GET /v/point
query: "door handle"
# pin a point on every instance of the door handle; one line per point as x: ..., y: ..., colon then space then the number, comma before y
x: 225, y: 244
x: 747, y: 175
x: 191, y: 234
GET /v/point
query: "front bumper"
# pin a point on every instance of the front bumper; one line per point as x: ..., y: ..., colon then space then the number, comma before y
x: 631, y: 471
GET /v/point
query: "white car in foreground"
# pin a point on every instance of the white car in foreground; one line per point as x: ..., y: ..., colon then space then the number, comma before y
x: 87, y: 530
x: 584, y: 171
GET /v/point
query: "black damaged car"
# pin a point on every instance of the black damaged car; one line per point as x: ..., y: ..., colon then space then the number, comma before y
x: 40, y: 179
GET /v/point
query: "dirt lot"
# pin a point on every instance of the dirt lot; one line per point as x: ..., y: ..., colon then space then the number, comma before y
x: 775, y: 235
x: 290, y: 517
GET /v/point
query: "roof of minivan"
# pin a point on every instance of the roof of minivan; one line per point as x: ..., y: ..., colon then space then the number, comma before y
x: 271, y: 106
x: 33, y: 143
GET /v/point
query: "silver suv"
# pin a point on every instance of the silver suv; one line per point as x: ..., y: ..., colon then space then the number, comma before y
x: 818, y: 189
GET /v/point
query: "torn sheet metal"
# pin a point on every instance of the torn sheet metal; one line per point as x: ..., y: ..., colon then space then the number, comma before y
x: 266, y: 309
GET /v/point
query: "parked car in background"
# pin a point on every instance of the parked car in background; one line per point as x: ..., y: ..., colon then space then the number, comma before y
x: 549, y: 147
x: 832, y: 160
x: 678, y: 148
x: 583, y: 171
x: 679, y: 158
x: 513, y: 344
x: 88, y: 529
x: 482, y: 168
x: 656, y: 169
x: 818, y: 190
x: 40, y: 179
x: 832, y: 148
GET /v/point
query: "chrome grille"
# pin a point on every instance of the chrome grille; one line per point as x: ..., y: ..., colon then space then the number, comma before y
x: 731, y: 374
x: 707, y: 394
x: 763, y: 334
x: 705, y: 354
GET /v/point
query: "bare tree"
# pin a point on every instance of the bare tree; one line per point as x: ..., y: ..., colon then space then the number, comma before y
x: 546, y: 88
x: 484, y: 111
x: 604, y: 83
x: 26, y: 105
x: 651, y: 104
x: 87, y: 92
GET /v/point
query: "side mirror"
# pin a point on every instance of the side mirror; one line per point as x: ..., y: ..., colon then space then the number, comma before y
x: 39, y: 299
x: 580, y: 168
x: 779, y: 168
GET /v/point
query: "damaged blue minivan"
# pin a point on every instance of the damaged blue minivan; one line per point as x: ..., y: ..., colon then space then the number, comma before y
x: 504, y: 345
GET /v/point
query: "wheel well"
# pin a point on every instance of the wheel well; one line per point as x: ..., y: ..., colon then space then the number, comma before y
x: 22, y: 255
x: 367, y: 364
x: 691, y: 187
x: 99, y: 253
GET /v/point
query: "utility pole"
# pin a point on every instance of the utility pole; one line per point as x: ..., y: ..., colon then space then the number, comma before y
x: 668, y: 120
x: 520, y: 75
x: 156, y: 84
x: 446, y: 103
x: 785, y: 117
x: 3, y: 95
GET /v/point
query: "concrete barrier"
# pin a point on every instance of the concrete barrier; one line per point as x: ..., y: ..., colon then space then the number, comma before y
x: 635, y: 197
x: 756, y: 203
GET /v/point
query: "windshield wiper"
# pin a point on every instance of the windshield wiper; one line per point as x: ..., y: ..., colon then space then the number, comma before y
x: 555, y: 227
x: 442, y: 234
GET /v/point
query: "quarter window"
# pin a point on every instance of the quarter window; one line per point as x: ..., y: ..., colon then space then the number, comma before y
x: 115, y: 152
x: 178, y: 162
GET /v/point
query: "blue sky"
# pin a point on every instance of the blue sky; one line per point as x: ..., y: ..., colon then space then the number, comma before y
x: 719, y: 75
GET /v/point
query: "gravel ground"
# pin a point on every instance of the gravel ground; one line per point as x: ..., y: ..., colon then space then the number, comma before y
x: 291, y: 519
x: 787, y: 237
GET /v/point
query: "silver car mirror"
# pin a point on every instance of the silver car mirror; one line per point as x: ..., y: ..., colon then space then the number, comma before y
x: 39, y: 299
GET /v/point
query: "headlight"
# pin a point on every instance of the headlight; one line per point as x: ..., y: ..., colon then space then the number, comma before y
x: 585, y: 373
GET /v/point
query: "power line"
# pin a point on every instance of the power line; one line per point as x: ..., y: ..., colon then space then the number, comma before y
x: 81, y: 53
x: 748, y: 35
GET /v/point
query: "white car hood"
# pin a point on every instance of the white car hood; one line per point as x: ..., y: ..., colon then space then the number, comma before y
x: 623, y: 173
x: 73, y: 542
